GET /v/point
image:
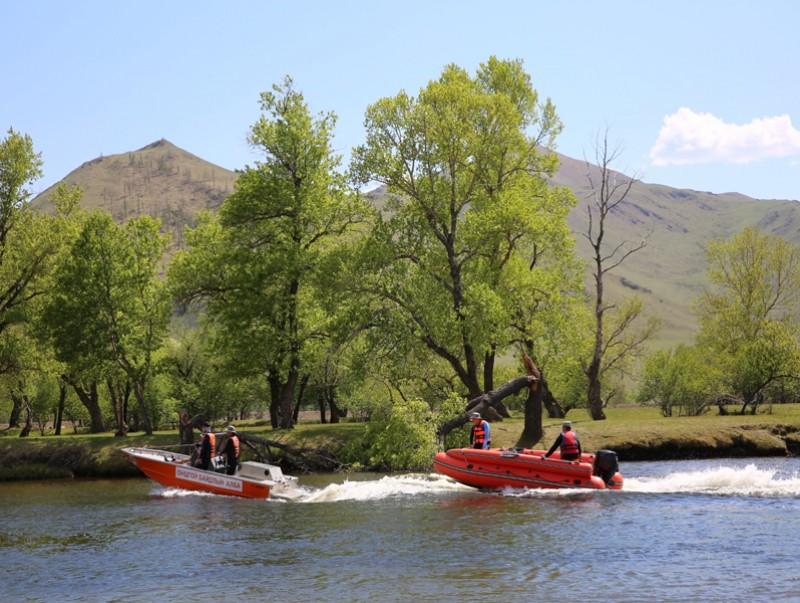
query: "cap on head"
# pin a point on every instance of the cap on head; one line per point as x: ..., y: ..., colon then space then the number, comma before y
x: 475, y: 415
x: 231, y: 429
x: 566, y: 425
x: 206, y: 426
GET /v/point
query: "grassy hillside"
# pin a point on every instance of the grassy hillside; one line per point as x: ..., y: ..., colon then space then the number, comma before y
x: 671, y: 270
x: 159, y: 180
x: 169, y: 183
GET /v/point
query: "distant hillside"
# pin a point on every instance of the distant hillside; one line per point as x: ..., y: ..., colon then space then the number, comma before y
x: 670, y: 271
x: 160, y: 180
x: 169, y: 183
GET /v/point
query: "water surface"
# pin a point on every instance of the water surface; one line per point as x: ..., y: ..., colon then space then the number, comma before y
x: 680, y: 531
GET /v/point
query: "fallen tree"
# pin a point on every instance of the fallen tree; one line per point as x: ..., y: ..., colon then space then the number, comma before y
x: 294, y: 459
x: 486, y: 401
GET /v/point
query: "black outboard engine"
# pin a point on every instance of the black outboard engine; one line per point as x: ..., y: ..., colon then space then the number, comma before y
x: 606, y: 465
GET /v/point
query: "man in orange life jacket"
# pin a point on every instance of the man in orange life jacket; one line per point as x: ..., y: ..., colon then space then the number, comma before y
x: 230, y: 450
x: 479, y: 437
x: 207, y: 446
x: 569, y: 443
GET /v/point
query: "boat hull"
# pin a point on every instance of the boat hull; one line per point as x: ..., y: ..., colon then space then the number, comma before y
x: 499, y: 468
x: 173, y: 471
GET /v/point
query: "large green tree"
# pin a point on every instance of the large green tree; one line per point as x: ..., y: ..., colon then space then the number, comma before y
x: 30, y: 245
x: 749, y: 313
x: 27, y: 241
x: 109, y: 310
x: 471, y: 229
x: 258, y: 267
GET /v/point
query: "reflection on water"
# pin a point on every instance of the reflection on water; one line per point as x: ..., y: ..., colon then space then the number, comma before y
x: 689, y: 531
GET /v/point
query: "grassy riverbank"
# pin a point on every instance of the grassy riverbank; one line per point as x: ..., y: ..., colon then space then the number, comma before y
x: 634, y: 433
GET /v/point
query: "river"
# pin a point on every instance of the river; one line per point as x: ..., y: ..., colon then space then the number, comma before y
x: 706, y: 531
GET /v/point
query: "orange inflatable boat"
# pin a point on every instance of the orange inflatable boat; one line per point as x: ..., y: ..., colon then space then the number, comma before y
x: 499, y: 468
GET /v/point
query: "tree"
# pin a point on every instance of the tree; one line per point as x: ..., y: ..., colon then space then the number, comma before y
x: 27, y: 241
x: 684, y: 377
x: 30, y: 245
x: 259, y: 265
x: 109, y: 311
x: 19, y: 166
x: 470, y: 223
x: 613, y: 341
x: 748, y: 315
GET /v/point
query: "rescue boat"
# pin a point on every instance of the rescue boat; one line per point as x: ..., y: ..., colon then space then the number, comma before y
x: 498, y: 468
x: 251, y: 480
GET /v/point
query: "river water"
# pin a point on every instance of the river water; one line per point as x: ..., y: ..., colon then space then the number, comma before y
x: 705, y: 531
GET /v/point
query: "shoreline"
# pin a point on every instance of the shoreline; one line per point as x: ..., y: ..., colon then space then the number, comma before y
x: 68, y: 457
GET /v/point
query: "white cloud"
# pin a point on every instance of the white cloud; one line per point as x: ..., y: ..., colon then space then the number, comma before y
x: 688, y: 137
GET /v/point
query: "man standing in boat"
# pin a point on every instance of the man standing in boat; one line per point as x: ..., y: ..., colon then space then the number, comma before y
x: 207, y: 445
x: 479, y: 436
x: 568, y: 442
x: 230, y: 450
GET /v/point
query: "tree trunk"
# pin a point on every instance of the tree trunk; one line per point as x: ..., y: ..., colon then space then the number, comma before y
x: 89, y: 399
x: 488, y: 370
x: 287, y: 395
x: 28, y: 426
x: 186, y: 426
x: 336, y: 414
x: 532, y: 431
x: 595, y: 400
x: 16, y: 412
x: 300, y: 394
x: 554, y: 409
x: 322, y: 408
x: 274, y: 401
x: 62, y: 398
x: 118, y: 408
x: 138, y: 391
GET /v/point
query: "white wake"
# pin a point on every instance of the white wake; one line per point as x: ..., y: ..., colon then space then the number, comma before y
x: 385, y: 487
x: 729, y: 481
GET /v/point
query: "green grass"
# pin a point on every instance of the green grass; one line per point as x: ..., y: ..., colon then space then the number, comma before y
x: 641, y: 433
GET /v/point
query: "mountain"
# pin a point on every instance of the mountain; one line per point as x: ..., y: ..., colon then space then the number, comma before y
x: 670, y: 271
x: 160, y: 180
x: 169, y: 183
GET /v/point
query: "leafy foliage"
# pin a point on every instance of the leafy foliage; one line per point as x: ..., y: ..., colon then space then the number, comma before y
x: 407, y: 441
x: 108, y: 311
x: 682, y: 378
x: 257, y: 268
x: 471, y: 226
x: 749, y: 317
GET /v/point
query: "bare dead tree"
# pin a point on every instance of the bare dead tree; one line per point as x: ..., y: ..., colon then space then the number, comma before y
x: 608, y: 190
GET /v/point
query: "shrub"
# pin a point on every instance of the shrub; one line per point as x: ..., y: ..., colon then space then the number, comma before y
x: 407, y: 441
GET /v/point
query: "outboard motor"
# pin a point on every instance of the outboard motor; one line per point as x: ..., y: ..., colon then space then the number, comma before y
x: 606, y: 465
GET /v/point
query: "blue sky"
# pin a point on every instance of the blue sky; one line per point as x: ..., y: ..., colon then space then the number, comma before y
x: 699, y: 94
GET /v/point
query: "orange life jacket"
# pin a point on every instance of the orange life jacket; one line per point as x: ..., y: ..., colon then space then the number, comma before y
x: 478, y: 433
x: 235, y: 441
x: 569, y: 443
x: 213, y: 441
